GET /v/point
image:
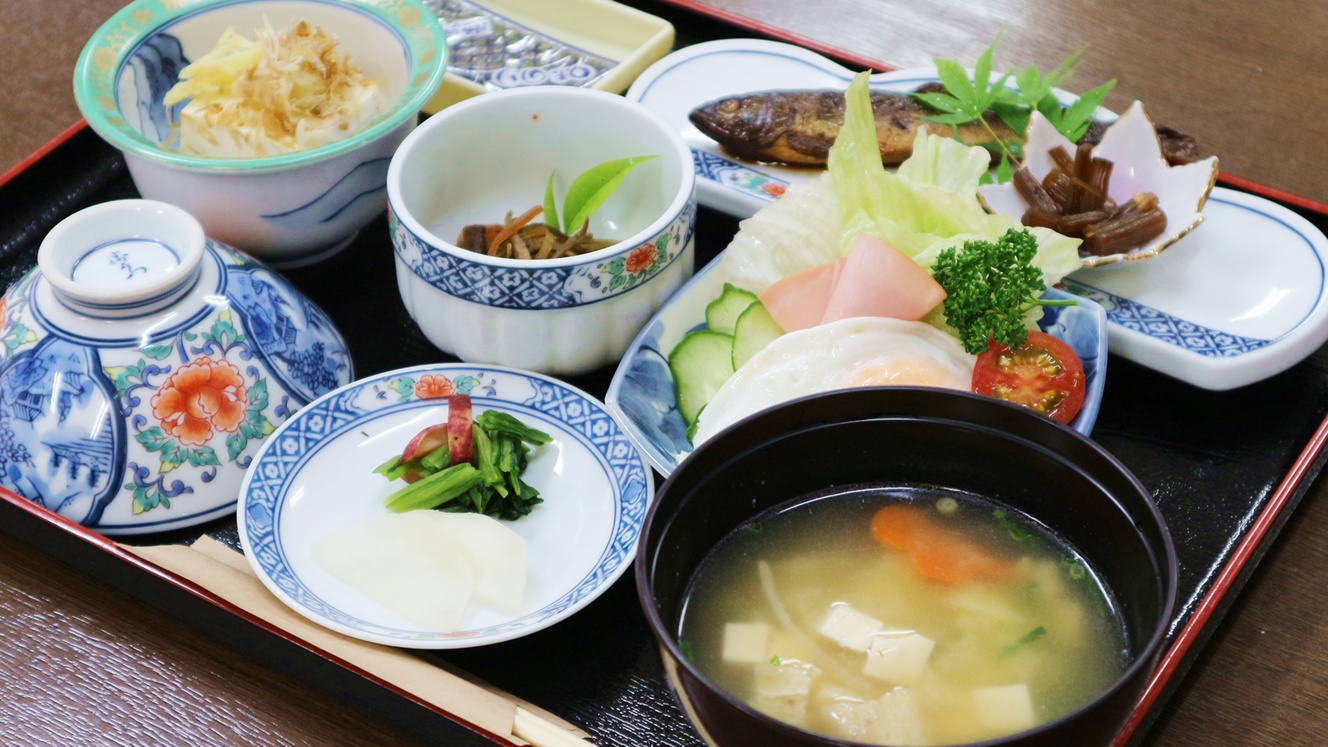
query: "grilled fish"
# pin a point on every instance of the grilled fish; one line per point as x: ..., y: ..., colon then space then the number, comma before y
x: 798, y: 127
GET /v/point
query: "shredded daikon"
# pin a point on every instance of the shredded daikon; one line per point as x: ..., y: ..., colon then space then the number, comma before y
x: 284, y: 91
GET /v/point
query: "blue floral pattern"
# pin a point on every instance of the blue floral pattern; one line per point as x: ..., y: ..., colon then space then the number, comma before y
x: 125, y: 433
x: 1161, y: 326
x: 543, y: 287
x: 280, y: 461
x: 731, y: 174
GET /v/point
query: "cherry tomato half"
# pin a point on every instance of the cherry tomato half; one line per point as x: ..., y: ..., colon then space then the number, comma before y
x: 1043, y: 374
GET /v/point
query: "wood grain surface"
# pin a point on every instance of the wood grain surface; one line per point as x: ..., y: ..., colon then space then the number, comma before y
x: 83, y: 664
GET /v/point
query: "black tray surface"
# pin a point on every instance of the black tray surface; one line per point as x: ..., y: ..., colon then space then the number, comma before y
x: 1211, y: 459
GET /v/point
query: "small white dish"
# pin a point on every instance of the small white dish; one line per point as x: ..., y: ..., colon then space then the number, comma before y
x: 314, y: 477
x: 1240, y: 299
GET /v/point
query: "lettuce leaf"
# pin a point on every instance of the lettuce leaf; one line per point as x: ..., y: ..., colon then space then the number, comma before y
x: 927, y: 206
x: 930, y: 203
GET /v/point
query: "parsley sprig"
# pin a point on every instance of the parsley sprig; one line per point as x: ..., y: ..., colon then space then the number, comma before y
x: 966, y: 101
x: 990, y: 286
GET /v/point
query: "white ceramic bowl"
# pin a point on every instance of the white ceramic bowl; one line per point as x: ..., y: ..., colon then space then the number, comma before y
x: 475, y: 161
x: 288, y: 209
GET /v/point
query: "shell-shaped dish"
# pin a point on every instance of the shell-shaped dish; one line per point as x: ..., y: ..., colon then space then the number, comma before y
x: 1131, y: 144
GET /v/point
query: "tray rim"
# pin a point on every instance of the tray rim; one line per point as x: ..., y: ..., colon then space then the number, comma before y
x: 1173, y: 662
x: 111, y: 548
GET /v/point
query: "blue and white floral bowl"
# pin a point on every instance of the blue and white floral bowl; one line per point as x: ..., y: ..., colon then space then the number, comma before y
x: 290, y: 209
x: 477, y: 160
x: 314, y: 477
x: 644, y: 401
x: 141, y: 366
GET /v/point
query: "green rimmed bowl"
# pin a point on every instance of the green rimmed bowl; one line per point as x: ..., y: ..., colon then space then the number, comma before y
x: 289, y: 209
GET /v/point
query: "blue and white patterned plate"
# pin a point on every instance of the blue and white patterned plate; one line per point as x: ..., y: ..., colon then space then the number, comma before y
x: 1241, y: 298
x: 313, y: 477
x: 642, y: 398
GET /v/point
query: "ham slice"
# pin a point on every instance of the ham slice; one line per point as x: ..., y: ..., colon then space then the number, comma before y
x: 799, y: 300
x: 879, y: 280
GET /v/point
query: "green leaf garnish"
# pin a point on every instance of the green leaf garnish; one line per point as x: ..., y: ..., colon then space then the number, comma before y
x: 968, y: 101
x: 550, y: 205
x: 589, y: 191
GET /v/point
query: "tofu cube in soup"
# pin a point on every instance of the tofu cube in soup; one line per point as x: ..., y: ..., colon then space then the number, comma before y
x: 745, y: 643
x: 782, y: 690
x: 891, y: 719
x: 898, y: 657
x: 850, y: 628
x: 1004, y: 708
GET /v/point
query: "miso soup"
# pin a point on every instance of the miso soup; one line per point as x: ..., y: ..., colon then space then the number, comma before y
x: 903, y: 616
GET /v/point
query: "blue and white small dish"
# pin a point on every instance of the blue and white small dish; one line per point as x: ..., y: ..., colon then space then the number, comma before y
x: 476, y: 161
x: 1241, y: 298
x: 314, y: 477
x: 141, y: 366
x: 643, y: 399
x: 289, y: 209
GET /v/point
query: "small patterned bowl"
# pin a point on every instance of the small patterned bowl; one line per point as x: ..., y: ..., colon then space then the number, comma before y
x: 290, y: 209
x: 475, y: 161
x: 141, y: 367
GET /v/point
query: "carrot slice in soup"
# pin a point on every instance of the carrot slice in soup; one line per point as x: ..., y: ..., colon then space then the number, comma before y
x: 937, y: 554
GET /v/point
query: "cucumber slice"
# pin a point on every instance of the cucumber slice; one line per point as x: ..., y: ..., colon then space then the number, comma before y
x: 701, y: 363
x: 755, y: 329
x: 723, y: 312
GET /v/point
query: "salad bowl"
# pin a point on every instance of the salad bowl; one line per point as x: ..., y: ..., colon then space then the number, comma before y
x: 642, y: 395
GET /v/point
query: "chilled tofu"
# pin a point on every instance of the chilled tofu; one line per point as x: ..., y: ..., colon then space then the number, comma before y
x: 900, y: 658
x: 850, y: 628
x: 745, y: 643
x: 1006, y: 709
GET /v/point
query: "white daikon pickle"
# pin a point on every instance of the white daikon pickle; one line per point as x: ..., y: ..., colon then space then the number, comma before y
x: 426, y: 566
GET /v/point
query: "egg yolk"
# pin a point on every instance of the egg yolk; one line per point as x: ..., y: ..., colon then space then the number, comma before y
x: 905, y: 371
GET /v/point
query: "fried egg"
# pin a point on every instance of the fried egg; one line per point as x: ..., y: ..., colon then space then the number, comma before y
x: 866, y: 351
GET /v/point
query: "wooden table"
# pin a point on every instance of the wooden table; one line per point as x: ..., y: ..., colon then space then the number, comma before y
x: 84, y: 664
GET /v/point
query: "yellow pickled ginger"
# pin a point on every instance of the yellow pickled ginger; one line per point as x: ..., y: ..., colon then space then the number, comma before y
x: 284, y: 91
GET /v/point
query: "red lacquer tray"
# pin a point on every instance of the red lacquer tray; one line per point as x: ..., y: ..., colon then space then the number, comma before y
x: 1225, y: 481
